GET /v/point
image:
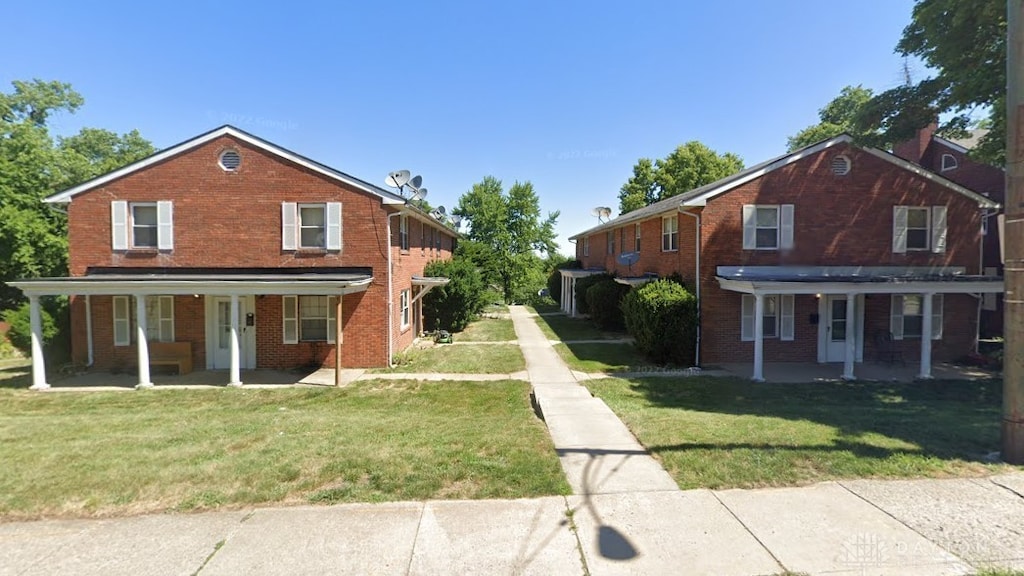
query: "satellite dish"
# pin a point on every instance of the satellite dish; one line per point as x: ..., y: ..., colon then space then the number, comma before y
x: 416, y: 182
x: 437, y: 215
x: 596, y: 212
x: 397, y: 179
x: 421, y: 193
x: 606, y: 212
x: 456, y: 220
x: 440, y: 210
x: 628, y: 258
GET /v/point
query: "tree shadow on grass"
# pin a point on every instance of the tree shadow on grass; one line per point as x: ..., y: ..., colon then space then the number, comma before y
x: 943, y: 419
x: 16, y: 377
x: 567, y: 329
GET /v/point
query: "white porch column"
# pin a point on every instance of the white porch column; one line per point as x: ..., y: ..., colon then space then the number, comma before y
x: 38, y: 362
x: 926, y: 337
x: 758, y: 338
x: 851, y: 337
x: 572, y: 296
x: 235, y: 378
x: 565, y: 294
x: 140, y: 340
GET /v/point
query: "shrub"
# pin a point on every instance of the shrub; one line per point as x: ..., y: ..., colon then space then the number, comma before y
x: 603, y: 300
x: 555, y: 279
x: 582, y: 285
x: 662, y: 317
x: 20, y: 333
x: 453, y: 306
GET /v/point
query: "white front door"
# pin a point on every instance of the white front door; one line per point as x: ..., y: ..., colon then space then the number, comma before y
x: 835, y: 325
x: 218, y: 332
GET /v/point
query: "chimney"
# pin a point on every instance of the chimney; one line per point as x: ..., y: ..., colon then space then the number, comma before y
x: 914, y: 148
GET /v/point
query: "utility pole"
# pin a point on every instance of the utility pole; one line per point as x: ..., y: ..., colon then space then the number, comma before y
x: 1013, y: 357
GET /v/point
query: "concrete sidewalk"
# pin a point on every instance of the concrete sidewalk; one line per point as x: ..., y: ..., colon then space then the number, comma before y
x: 861, y: 527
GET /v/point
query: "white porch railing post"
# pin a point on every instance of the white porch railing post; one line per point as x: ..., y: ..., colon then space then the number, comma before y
x: 235, y: 378
x: 851, y: 338
x: 141, y: 344
x: 38, y: 361
x: 572, y: 296
x: 758, y: 375
x: 926, y: 337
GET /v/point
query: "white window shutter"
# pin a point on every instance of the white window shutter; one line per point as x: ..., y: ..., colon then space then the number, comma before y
x: 290, y: 319
x: 899, y: 229
x: 937, y: 317
x: 787, y: 329
x: 786, y: 228
x: 119, y: 224
x: 165, y: 225
x: 334, y: 225
x: 332, y: 318
x: 289, y: 225
x: 122, y: 326
x: 749, y: 228
x: 166, y: 320
x: 747, y: 318
x: 896, y: 317
x: 938, y: 229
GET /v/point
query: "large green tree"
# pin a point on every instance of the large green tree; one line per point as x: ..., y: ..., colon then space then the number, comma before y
x: 964, y: 46
x: 689, y: 166
x: 838, y: 116
x: 508, y: 231
x: 35, y: 164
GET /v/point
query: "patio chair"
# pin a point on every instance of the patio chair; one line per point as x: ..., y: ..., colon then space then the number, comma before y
x: 887, y: 350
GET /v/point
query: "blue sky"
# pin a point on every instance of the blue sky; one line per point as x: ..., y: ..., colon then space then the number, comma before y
x: 565, y: 94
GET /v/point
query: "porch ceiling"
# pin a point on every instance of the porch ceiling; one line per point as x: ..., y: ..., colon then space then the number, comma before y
x: 220, y: 285
x: 873, y: 282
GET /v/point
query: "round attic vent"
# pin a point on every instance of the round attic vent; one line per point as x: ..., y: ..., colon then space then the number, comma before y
x: 230, y: 160
x: 840, y: 165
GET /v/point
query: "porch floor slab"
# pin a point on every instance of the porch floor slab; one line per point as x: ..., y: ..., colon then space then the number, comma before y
x: 205, y: 379
x: 797, y: 372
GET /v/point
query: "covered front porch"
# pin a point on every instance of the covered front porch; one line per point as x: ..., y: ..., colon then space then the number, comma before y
x: 870, y: 371
x: 569, y: 278
x: 227, y: 319
x: 840, y: 319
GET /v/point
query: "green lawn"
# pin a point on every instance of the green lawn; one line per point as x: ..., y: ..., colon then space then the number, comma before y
x: 112, y: 453
x: 545, y: 307
x: 451, y: 359
x: 558, y: 327
x: 15, y: 373
x: 487, y: 330
x: 602, y: 357
x: 732, y: 433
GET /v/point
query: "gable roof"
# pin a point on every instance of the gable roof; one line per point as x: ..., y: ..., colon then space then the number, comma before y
x: 700, y: 196
x: 387, y: 197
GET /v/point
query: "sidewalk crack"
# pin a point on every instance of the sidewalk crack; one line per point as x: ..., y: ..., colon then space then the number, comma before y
x: 415, y: 538
x: 570, y: 514
x: 751, y: 532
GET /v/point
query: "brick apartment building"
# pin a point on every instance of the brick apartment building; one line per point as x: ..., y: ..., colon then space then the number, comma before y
x: 241, y: 254
x: 827, y: 254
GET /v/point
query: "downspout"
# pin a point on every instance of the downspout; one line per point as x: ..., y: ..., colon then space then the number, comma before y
x: 391, y: 294
x: 88, y: 330
x: 696, y: 355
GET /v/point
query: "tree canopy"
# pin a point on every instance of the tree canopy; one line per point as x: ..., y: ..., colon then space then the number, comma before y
x: 33, y: 165
x: 838, y: 116
x: 689, y: 166
x: 506, y: 231
x: 964, y: 44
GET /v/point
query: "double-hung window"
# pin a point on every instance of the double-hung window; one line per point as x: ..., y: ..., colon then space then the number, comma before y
x: 918, y: 229
x: 403, y: 305
x: 670, y: 233
x: 159, y: 319
x: 403, y: 233
x: 767, y: 227
x: 586, y: 246
x: 308, y: 318
x: 776, y: 320
x: 636, y: 239
x: 141, y: 225
x: 311, y: 226
x: 907, y: 318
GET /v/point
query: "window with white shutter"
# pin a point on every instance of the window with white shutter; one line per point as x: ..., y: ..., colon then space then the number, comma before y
x: 938, y: 229
x: 290, y: 319
x: 776, y: 321
x: 165, y: 225
x: 289, y: 223
x: 906, y: 317
x: 122, y: 321
x: 767, y: 227
x: 159, y: 319
x: 119, y: 224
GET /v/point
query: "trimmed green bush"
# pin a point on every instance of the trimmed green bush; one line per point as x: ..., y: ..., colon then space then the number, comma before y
x: 453, y: 306
x: 20, y: 333
x: 604, y: 301
x: 582, y: 285
x: 662, y: 317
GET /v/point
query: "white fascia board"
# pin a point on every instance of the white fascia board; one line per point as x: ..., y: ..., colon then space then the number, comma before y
x: 66, y: 196
x: 908, y: 287
x: 952, y: 145
x: 83, y: 287
x: 578, y: 273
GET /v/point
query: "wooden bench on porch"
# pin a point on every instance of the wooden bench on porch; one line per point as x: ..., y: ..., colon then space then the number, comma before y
x: 171, y: 354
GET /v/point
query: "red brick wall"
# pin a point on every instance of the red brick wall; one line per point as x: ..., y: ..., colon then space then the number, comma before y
x: 839, y: 221
x: 652, y: 259
x: 233, y: 219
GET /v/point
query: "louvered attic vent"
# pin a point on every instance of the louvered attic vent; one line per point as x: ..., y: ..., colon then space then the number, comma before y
x: 230, y: 160
x: 840, y: 165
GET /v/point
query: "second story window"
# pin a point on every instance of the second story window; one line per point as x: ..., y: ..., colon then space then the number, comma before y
x: 767, y: 227
x: 142, y: 225
x: 636, y: 241
x: 610, y: 237
x: 919, y: 229
x: 403, y: 233
x: 670, y: 233
x: 311, y: 226
x: 586, y: 246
